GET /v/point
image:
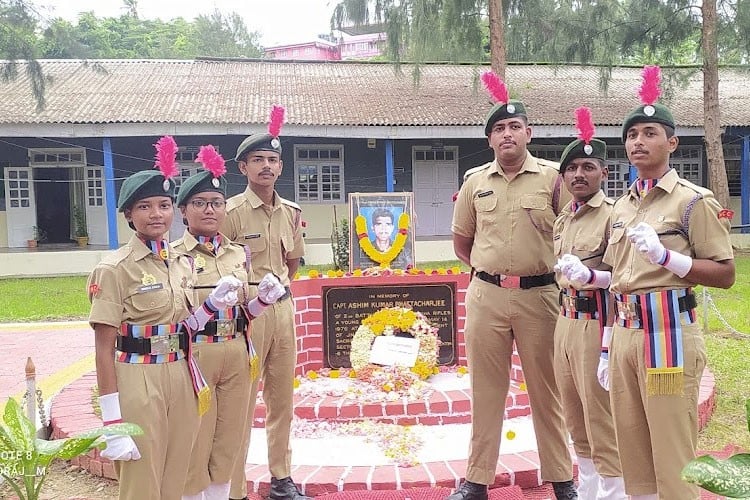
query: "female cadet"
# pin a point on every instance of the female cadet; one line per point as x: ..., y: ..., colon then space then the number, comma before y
x: 142, y: 314
x: 223, y: 347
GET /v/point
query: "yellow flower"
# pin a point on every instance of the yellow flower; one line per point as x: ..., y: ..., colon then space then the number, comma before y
x: 352, y: 374
x: 340, y: 273
x: 435, y: 370
x: 462, y: 370
x: 510, y: 435
x: 522, y: 386
x: 296, y: 383
x: 334, y: 374
x: 427, y: 270
x: 296, y: 275
x: 455, y: 270
x: 387, y: 387
x: 313, y: 273
x: 357, y: 272
x: 312, y: 374
x: 441, y: 270
x: 331, y: 273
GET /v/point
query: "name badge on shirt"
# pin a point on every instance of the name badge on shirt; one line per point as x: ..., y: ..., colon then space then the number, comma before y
x: 618, y: 224
x: 486, y: 193
x: 150, y: 288
x: 557, y: 237
x: 252, y: 236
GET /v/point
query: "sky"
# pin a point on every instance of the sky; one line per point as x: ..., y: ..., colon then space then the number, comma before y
x: 278, y: 21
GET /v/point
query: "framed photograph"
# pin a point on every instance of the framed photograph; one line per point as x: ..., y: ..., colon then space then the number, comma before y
x: 382, y: 230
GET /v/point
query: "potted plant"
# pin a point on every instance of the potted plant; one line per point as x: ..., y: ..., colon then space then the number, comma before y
x: 38, y: 235
x: 81, y: 230
x: 24, y: 458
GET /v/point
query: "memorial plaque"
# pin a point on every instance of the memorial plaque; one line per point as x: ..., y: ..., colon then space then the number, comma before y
x: 345, y: 307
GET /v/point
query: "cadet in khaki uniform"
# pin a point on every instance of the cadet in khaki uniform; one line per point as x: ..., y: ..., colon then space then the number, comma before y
x: 221, y: 348
x: 141, y: 302
x: 667, y: 235
x: 580, y: 235
x: 502, y: 227
x: 272, y: 228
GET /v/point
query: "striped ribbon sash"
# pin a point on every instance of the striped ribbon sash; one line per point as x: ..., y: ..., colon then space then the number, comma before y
x: 144, y: 332
x: 254, y: 358
x: 658, y: 314
x: 200, y: 387
x: 230, y: 314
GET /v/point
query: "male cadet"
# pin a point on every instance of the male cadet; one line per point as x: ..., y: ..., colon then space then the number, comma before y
x: 580, y: 235
x: 502, y: 227
x: 667, y: 235
x: 272, y: 227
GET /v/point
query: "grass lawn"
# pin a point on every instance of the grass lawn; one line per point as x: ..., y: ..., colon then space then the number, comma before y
x: 41, y: 299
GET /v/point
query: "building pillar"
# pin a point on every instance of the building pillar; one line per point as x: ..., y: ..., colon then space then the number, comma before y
x: 111, y: 194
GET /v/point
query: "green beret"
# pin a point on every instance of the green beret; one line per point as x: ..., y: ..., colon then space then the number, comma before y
x: 654, y: 113
x: 258, y: 142
x: 577, y: 149
x: 202, y: 182
x: 144, y: 184
x: 502, y: 112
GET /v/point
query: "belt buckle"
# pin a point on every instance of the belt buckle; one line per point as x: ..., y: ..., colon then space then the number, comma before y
x: 569, y: 303
x: 165, y: 344
x: 508, y: 281
x: 224, y: 327
x: 627, y: 311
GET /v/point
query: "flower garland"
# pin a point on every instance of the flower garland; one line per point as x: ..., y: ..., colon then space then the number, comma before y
x: 389, y: 321
x: 382, y: 258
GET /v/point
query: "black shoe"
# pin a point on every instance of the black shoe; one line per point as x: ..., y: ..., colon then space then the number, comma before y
x: 565, y: 490
x: 470, y: 491
x: 285, y: 489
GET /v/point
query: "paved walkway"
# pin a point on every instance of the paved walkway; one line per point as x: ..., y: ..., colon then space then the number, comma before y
x: 61, y: 353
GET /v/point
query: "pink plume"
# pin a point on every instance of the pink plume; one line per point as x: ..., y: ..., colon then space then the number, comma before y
x: 650, y: 90
x: 584, y: 124
x: 166, y: 153
x: 495, y: 86
x: 277, y: 119
x: 211, y: 160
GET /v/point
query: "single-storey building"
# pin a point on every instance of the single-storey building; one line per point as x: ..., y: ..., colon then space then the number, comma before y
x: 350, y: 127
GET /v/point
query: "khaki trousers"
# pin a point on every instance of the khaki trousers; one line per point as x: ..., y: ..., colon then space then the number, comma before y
x: 585, y: 402
x: 160, y: 399
x: 275, y: 341
x: 656, y: 435
x: 495, y: 317
x: 226, y: 367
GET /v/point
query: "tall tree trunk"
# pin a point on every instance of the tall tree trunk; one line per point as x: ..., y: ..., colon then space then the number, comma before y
x: 497, y: 37
x: 717, y: 173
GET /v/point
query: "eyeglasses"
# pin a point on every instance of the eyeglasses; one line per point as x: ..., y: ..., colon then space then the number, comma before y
x: 200, y: 204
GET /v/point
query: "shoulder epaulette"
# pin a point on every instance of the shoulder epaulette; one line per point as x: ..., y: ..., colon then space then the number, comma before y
x: 235, y: 201
x: 698, y: 189
x: 474, y: 170
x: 290, y: 203
x: 117, y: 256
x: 548, y: 163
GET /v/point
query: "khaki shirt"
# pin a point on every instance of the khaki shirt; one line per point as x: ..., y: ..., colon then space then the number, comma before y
x: 132, y: 285
x: 583, y: 234
x: 274, y: 234
x: 674, y: 205
x: 230, y: 260
x: 510, y: 221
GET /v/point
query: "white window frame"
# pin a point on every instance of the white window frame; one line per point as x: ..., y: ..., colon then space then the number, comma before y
x: 319, y: 164
x: 54, y: 154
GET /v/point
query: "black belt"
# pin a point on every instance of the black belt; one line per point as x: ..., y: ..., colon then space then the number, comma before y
x: 139, y: 345
x: 581, y: 304
x: 524, y: 282
x: 210, y: 328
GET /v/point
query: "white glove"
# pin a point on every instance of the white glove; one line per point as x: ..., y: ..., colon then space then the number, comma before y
x: 573, y: 269
x: 118, y: 447
x: 579, y: 274
x: 225, y: 293
x: 602, y: 371
x: 646, y: 241
x: 270, y: 289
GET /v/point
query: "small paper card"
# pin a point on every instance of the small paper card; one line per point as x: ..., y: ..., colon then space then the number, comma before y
x: 394, y: 351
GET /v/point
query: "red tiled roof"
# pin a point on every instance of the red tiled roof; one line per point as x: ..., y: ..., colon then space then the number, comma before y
x: 341, y: 93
